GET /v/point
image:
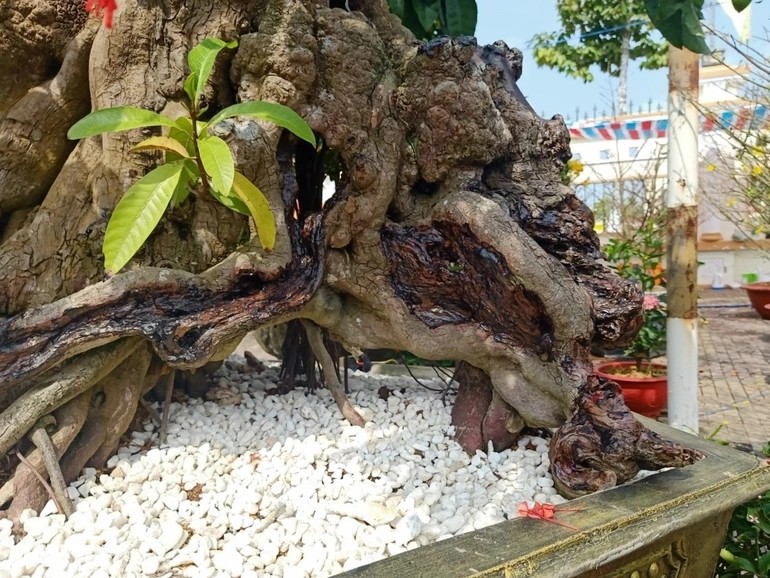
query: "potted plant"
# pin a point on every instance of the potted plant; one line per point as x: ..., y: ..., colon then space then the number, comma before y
x: 643, y: 382
x: 759, y: 295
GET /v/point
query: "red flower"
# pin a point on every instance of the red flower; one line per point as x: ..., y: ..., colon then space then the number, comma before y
x: 95, y: 7
x: 651, y: 302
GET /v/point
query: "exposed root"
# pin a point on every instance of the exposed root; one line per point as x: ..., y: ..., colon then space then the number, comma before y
x: 43, y: 482
x: 166, y: 407
x: 480, y: 415
x: 315, y: 338
x: 70, y: 419
x: 63, y: 384
x: 603, y: 445
x: 58, y: 487
x: 119, y: 393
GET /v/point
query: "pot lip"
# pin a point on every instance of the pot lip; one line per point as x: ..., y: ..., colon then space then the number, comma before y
x: 757, y: 286
x: 626, y: 363
x: 603, y: 370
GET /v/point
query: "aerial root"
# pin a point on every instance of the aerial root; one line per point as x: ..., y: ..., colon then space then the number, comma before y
x: 315, y: 339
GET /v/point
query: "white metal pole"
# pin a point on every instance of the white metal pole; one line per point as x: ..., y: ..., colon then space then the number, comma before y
x: 682, y: 236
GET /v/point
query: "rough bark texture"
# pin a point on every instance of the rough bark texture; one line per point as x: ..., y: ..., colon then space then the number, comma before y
x: 449, y: 235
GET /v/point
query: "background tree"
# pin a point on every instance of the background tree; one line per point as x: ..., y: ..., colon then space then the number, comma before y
x: 604, y: 34
x: 736, y: 181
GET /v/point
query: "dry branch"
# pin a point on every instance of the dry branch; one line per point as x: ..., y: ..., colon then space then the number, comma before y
x: 39, y: 437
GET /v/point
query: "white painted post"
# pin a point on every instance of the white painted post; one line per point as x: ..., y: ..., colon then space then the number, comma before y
x: 682, y: 237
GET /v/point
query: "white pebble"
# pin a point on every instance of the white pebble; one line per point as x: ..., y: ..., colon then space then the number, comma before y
x: 279, y: 486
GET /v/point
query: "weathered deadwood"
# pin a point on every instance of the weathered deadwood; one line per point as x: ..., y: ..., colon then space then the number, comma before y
x: 603, y: 445
x: 177, y: 312
x: 450, y: 234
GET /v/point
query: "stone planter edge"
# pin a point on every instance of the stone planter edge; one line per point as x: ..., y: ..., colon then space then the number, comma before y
x: 675, y: 521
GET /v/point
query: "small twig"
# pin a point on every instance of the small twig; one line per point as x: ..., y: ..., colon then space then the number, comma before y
x: 42, y: 480
x: 315, y: 339
x: 58, y: 486
x: 154, y: 415
x: 166, y: 407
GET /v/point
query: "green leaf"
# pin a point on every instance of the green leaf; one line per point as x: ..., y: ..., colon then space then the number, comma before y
x: 764, y: 564
x: 186, y: 181
x: 183, y: 133
x: 679, y: 22
x: 163, y: 143
x: 217, y: 161
x: 116, y: 119
x: 460, y: 17
x: 231, y: 201
x: 201, y: 60
x: 397, y: 7
x: 737, y: 561
x: 281, y: 115
x: 426, y: 11
x: 189, y: 87
x: 138, y: 213
x: 259, y: 208
x: 741, y: 5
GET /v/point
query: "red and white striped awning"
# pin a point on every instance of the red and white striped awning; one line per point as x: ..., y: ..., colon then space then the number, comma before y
x: 756, y: 117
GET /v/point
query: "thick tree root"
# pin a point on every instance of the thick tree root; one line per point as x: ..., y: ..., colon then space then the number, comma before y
x: 315, y: 338
x: 480, y: 415
x: 89, y: 428
x: 603, y: 445
x: 62, y: 385
x: 186, y: 318
x: 69, y: 419
x: 115, y: 403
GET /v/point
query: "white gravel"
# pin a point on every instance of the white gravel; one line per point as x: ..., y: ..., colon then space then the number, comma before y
x: 256, y: 485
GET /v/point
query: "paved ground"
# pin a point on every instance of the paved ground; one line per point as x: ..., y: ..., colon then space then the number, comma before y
x: 734, y: 369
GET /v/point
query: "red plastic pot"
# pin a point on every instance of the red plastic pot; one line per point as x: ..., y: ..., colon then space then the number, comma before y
x: 645, y: 395
x: 759, y: 295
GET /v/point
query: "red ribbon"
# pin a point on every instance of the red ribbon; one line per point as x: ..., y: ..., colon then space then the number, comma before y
x: 96, y: 7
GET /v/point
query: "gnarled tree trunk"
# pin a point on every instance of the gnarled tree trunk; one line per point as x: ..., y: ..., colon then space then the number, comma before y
x: 449, y: 234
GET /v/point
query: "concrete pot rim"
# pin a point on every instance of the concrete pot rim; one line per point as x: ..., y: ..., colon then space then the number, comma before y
x: 610, y: 524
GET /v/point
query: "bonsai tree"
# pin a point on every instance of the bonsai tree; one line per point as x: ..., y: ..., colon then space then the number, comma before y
x: 449, y: 235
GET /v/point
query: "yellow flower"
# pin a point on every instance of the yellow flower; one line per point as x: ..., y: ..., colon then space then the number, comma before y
x: 575, y: 166
x: 711, y: 167
x: 757, y: 170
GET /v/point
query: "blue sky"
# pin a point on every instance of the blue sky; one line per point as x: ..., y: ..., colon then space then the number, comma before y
x: 550, y: 92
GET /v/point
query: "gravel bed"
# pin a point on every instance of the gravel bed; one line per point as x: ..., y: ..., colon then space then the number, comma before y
x: 256, y: 485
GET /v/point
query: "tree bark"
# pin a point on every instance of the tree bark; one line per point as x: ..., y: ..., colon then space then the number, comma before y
x: 449, y: 235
